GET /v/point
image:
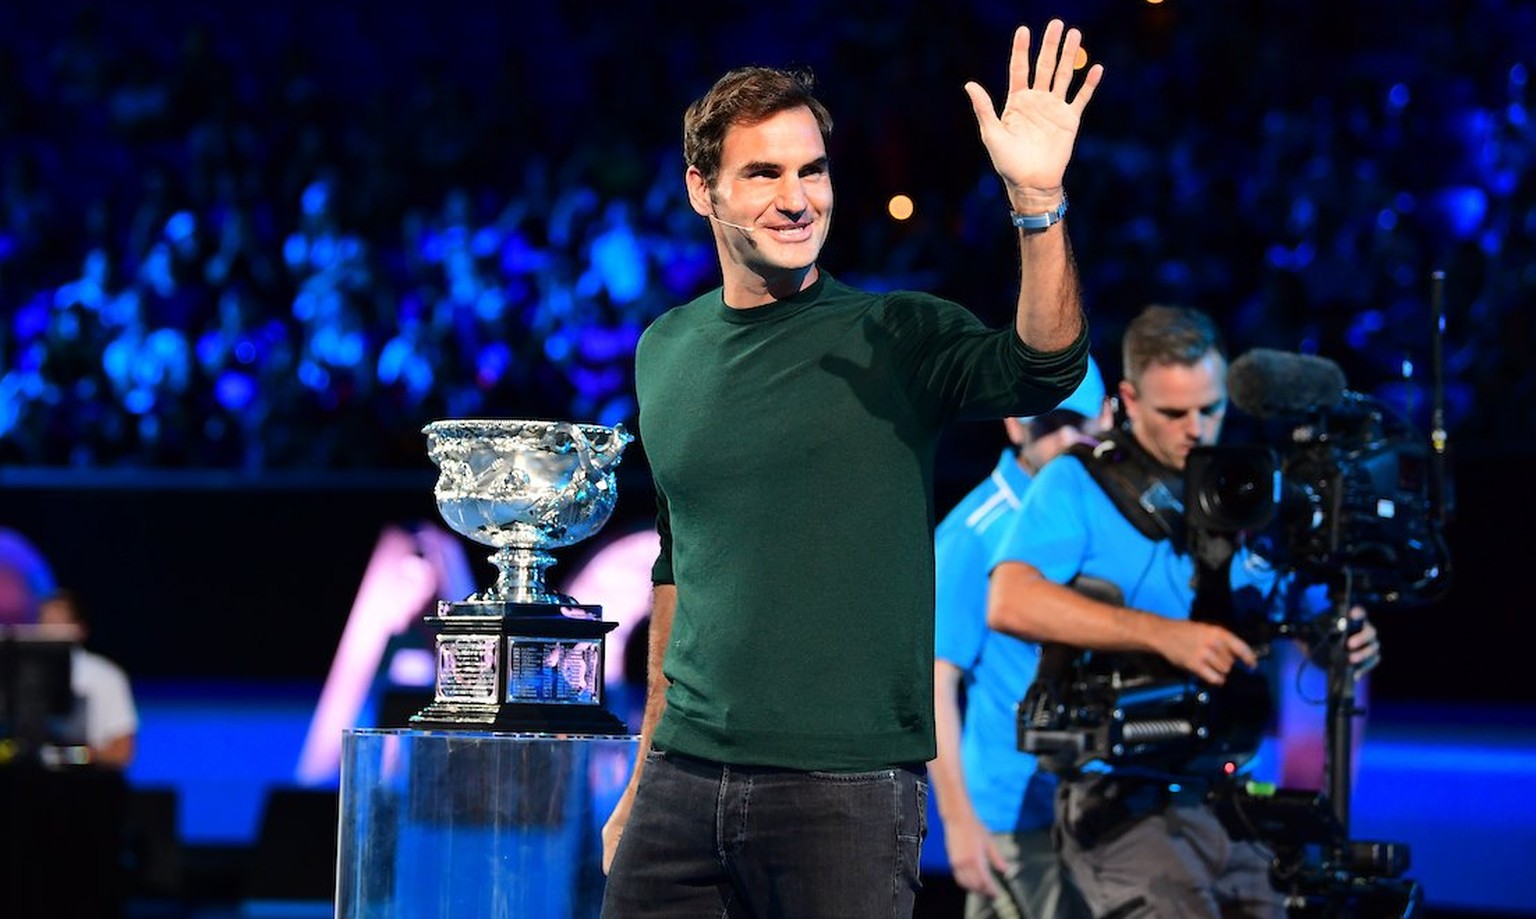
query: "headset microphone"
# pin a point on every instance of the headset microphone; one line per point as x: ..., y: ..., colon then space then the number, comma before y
x: 734, y: 226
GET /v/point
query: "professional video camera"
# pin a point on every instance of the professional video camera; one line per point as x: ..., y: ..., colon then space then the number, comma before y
x: 1347, y: 494
x: 1340, y: 491
x: 1345, y: 488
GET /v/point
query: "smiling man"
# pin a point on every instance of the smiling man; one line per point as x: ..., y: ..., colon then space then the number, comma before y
x: 791, y: 424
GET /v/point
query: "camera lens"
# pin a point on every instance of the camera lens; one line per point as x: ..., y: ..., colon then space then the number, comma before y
x: 1234, y: 488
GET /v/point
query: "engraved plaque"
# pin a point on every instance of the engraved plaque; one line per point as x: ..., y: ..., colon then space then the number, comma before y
x: 466, y: 668
x: 559, y: 670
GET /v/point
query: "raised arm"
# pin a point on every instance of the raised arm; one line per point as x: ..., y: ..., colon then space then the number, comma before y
x: 1030, y: 144
x: 663, y: 604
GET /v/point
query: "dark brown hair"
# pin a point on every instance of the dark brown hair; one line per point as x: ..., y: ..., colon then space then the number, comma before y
x: 744, y: 96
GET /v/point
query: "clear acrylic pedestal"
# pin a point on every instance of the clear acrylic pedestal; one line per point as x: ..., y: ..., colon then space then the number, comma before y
x: 467, y: 824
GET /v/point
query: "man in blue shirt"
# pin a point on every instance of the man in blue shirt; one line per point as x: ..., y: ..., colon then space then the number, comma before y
x: 994, y: 804
x: 1138, y: 844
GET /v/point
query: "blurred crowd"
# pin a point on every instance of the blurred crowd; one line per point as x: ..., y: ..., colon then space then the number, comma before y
x: 287, y: 237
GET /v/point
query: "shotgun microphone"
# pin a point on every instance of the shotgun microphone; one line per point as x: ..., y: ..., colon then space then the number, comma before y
x: 1267, y: 383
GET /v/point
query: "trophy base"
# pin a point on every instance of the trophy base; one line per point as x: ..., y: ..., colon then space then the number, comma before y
x: 523, y: 668
x: 520, y: 718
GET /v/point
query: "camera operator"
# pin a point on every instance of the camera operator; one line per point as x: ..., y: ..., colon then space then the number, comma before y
x: 1138, y: 842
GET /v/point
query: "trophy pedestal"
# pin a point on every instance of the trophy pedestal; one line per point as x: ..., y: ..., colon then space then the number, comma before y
x: 474, y: 825
x: 511, y: 667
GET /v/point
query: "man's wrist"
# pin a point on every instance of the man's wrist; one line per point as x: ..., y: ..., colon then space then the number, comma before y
x: 1030, y: 199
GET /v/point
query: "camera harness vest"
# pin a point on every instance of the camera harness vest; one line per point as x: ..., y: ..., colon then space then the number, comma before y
x: 1150, y: 497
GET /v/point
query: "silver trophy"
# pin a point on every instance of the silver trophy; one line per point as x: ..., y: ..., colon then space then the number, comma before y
x: 518, y: 657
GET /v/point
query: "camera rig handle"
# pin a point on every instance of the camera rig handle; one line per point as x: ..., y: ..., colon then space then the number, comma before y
x: 1139, y: 710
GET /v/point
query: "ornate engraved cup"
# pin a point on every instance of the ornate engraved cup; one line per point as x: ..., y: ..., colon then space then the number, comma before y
x: 524, y: 487
x: 517, y: 656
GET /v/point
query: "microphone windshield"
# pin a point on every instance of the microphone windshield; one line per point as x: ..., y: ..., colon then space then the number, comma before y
x: 1267, y: 383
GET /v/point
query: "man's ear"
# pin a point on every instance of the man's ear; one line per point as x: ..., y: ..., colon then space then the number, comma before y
x: 1018, y: 431
x: 698, y: 192
x: 1127, y: 391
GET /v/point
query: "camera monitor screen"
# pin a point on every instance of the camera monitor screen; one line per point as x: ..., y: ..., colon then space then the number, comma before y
x: 35, y: 690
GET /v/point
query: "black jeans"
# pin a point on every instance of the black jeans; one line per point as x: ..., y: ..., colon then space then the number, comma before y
x: 707, y: 839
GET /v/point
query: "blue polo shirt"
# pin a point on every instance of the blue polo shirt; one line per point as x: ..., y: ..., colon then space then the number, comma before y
x: 1007, y: 791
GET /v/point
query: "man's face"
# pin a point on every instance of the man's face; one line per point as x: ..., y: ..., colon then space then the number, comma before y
x: 1176, y: 408
x: 59, y: 618
x: 773, y: 178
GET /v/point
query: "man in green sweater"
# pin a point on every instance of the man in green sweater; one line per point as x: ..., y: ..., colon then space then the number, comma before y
x: 791, y: 424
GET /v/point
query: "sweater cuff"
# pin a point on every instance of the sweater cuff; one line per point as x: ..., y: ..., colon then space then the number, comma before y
x: 1070, y: 362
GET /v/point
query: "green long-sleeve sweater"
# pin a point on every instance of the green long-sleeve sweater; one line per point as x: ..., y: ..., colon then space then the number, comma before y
x: 793, y: 447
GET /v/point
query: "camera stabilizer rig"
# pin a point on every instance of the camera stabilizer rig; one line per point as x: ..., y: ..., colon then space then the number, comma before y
x: 1349, y: 497
x: 1132, y: 711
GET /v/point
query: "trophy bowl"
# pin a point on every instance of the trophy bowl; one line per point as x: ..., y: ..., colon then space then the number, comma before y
x: 524, y: 487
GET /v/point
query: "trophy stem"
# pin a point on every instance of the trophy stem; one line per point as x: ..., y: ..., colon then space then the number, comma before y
x: 520, y: 576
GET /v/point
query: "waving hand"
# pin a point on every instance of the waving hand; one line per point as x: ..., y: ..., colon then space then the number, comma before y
x: 1031, y: 142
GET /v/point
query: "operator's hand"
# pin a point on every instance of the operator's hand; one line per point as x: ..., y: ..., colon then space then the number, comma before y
x: 973, y: 856
x: 1364, y: 645
x: 1031, y: 142
x: 1208, y: 651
